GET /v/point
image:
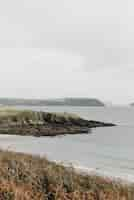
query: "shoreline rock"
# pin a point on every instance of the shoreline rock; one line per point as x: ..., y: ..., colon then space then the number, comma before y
x: 25, y: 122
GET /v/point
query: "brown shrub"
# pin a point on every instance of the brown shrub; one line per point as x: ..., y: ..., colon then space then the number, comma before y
x: 26, y: 177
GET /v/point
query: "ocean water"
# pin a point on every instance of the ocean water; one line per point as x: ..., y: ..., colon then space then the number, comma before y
x: 108, y: 150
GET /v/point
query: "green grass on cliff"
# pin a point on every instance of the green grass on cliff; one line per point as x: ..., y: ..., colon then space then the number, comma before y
x: 13, y: 115
x: 8, y: 114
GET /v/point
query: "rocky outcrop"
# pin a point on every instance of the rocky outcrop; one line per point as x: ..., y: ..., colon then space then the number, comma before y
x: 44, y: 124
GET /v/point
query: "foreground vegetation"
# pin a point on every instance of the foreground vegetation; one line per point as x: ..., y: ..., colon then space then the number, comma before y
x: 26, y: 177
x: 27, y: 122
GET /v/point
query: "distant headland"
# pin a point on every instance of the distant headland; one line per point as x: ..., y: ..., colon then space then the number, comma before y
x: 52, y: 102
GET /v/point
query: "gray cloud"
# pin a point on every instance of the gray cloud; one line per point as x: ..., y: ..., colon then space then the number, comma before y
x: 83, y: 36
x: 62, y: 23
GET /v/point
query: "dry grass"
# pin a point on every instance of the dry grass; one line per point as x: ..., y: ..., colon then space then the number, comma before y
x: 9, y: 114
x: 25, y: 177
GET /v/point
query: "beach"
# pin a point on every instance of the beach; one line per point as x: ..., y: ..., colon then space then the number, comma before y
x: 104, y: 155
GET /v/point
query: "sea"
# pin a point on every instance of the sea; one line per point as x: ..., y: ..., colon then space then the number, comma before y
x: 107, y: 151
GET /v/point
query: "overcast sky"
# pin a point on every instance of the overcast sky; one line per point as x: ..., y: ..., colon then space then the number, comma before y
x: 63, y: 48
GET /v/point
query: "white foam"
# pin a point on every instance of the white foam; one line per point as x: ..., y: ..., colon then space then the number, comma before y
x: 123, y: 177
x: 120, y: 177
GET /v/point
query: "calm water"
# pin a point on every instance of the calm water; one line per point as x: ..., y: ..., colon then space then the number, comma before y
x: 108, y: 150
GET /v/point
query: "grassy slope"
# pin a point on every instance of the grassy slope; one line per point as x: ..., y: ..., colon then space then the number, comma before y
x: 13, y: 115
x: 32, y: 178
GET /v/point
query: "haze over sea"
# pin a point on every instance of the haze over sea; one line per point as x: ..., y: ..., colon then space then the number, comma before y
x: 107, y: 150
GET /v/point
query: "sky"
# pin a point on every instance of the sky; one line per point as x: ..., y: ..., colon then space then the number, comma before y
x: 67, y: 48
